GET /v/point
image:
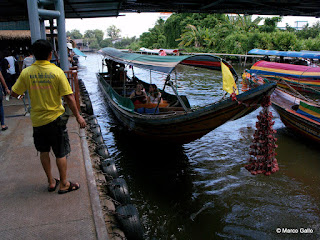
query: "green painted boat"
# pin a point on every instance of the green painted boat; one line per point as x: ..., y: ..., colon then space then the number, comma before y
x: 174, y: 122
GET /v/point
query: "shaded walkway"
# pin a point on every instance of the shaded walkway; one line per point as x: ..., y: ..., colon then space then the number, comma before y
x: 27, y: 209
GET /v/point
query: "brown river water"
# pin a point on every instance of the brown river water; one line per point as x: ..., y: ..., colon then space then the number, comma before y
x: 201, y: 190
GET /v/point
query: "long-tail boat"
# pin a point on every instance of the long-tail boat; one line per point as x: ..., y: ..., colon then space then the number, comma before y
x: 172, y: 120
x: 299, y: 73
x: 297, y: 112
x: 300, y: 115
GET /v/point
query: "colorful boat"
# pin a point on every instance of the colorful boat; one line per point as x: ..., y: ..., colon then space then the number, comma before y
x: 173, y: 120
x: 303, y: 78
x: 301, y: 116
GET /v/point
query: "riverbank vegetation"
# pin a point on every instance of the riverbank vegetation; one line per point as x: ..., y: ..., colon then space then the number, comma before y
x: 220, y: 33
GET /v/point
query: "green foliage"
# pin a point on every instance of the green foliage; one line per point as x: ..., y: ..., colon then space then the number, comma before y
x: 74, y: 34
x: 106, y: 43
x: 270, y: 24
x: 135, y: 46
x: 194, y: 36
x: 125, y: 42
x: 113, y: 32
x: 155, y: 38
x: 93, y: 43
x: 312, y: 44
x: 284, y: 41
x: 203, y: 32
x: 236, y: 43
x: 260, y: 40
x: 95, y: 37
x: 309, y: 32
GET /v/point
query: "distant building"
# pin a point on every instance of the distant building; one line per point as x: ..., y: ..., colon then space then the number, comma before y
x: 79, y: 43
x: 116, y: 40
x: 299, y: 25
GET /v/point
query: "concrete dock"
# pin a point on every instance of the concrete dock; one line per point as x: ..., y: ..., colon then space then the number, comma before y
x: 27, y: 209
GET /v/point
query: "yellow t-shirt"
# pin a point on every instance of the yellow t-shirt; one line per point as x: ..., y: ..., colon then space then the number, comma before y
x: 46, y: 84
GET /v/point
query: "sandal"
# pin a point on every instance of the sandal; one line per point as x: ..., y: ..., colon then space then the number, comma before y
x: 52, y: 189
x: 72, y: 187
x: 4, y: 128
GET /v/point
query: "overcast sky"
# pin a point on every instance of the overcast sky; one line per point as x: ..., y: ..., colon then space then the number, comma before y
x: 134, y: 24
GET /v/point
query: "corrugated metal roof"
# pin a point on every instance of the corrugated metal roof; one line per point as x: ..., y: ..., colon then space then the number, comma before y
x: 12, y: 10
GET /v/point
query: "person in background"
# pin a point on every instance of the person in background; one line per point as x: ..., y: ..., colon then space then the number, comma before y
x: 55, y: 58
x: 47, y: 84
x: 4, y: 66
x: 12, y: 68
x: 70, y: 53
x: 153, y: 95
x: 3, y: 83
x: 138, y: 96
x: 27, y: 61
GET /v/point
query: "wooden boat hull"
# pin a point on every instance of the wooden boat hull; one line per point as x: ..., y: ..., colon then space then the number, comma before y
x: 182, y: 128
x: 293, y: 120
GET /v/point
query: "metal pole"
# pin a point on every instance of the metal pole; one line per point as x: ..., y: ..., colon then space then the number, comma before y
x: 33, y: 20
x: 62, y: 37
x: 150, y: 77
x: 53, y: 42
x: 177, y: 95
x: 42, y: 29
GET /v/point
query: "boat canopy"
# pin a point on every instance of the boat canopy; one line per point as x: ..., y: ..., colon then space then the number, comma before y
x: 302, y: 54
x: 78, y: 52
x: 285, y: 70
x: 164, y: 64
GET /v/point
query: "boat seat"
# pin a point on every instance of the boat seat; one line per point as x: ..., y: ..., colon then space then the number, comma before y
x: 152, y: 105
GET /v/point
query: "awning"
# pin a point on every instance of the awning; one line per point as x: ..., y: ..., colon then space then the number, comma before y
x: 302, y: 54
x: 78, y: 52
x: 164, y: 64
x: 285, y: 70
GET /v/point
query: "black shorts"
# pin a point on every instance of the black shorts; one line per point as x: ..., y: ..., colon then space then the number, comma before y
x: 52, y: 135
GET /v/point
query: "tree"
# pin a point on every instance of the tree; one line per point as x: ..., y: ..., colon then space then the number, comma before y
x: 270, y: 24
x: 113, y: 32
x: 106, y: 43
x: 155, y: 38
x: 284, y: 41
x: 125, y: 42
x: 74, y: 34
x: 309, y: 32
x: 94, y: 37
x: 246, y: 24
x: 192, y: 36
x: 93, y: 43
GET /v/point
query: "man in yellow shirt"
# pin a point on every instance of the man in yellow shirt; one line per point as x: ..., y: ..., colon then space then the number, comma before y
x: 47, y: 84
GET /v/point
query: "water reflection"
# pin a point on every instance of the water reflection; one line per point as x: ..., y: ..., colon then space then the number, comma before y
x: 201, y: 190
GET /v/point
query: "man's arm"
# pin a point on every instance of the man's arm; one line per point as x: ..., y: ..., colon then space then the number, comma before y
x: 72, y: 105
x: 4, y: 84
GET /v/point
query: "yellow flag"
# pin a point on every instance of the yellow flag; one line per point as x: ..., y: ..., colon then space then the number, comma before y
x: 229, y: 85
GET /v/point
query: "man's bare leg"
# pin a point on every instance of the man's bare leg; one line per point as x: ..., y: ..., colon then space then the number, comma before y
x: 45, y: 161
x: 62, y: 166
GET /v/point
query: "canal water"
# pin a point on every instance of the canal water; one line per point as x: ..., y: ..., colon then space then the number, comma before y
x: 201, y: 190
